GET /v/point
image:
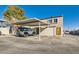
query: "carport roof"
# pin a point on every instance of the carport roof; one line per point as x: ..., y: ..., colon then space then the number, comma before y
x: 32, y: 22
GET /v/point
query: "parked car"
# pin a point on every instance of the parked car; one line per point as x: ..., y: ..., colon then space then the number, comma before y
x: 76, y: 32
x: 72, y: 32
x: 24, y: 31
x: 66, y: 32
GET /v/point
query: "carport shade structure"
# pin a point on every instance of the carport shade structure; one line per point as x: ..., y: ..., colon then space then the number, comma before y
x: 32, y: 23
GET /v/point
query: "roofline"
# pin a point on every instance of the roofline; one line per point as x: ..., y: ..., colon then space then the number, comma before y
x: 51, y: 17
x: 55, y: 16
x: 28, y: 21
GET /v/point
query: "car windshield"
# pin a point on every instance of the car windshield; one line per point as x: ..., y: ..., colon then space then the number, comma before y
x: 24, y: 29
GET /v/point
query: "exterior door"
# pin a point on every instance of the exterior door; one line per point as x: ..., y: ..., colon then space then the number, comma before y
x: 58, y: 30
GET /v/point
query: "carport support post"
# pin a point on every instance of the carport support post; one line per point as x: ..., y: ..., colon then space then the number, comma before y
x: 39, y: 30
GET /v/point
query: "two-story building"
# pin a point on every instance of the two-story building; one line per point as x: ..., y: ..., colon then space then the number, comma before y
x: 52, y: 26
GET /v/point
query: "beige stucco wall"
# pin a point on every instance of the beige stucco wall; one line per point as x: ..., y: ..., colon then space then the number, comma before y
x: 51, y: 31
x: 47, y: 32
x: 4, y: 31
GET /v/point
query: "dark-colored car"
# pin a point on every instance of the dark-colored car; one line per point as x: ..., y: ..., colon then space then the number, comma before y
x: 76, y: 32
x: 24, y: 31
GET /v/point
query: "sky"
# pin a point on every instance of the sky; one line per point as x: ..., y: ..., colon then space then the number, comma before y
x: 70, y: 13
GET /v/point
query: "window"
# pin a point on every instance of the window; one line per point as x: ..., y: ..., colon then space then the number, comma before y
x: 50, y: 21
x: 55, y: 20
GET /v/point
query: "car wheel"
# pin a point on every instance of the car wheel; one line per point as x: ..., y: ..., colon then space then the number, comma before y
x: 17, y: 34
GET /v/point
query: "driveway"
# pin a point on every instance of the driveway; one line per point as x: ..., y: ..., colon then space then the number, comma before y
x: 31, y: 45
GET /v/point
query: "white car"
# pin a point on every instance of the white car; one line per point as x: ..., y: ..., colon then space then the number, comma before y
x: 24, y: 31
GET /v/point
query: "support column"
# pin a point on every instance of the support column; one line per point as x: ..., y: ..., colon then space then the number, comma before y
x: 39, y: 31
x: 48, y: 31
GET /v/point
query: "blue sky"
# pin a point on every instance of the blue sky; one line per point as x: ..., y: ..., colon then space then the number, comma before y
x: 70, y: 13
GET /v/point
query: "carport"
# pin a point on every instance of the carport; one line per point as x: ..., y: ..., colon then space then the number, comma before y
x: 33, y: 23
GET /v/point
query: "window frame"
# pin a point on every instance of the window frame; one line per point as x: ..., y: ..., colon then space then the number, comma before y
x: 55, y: 20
